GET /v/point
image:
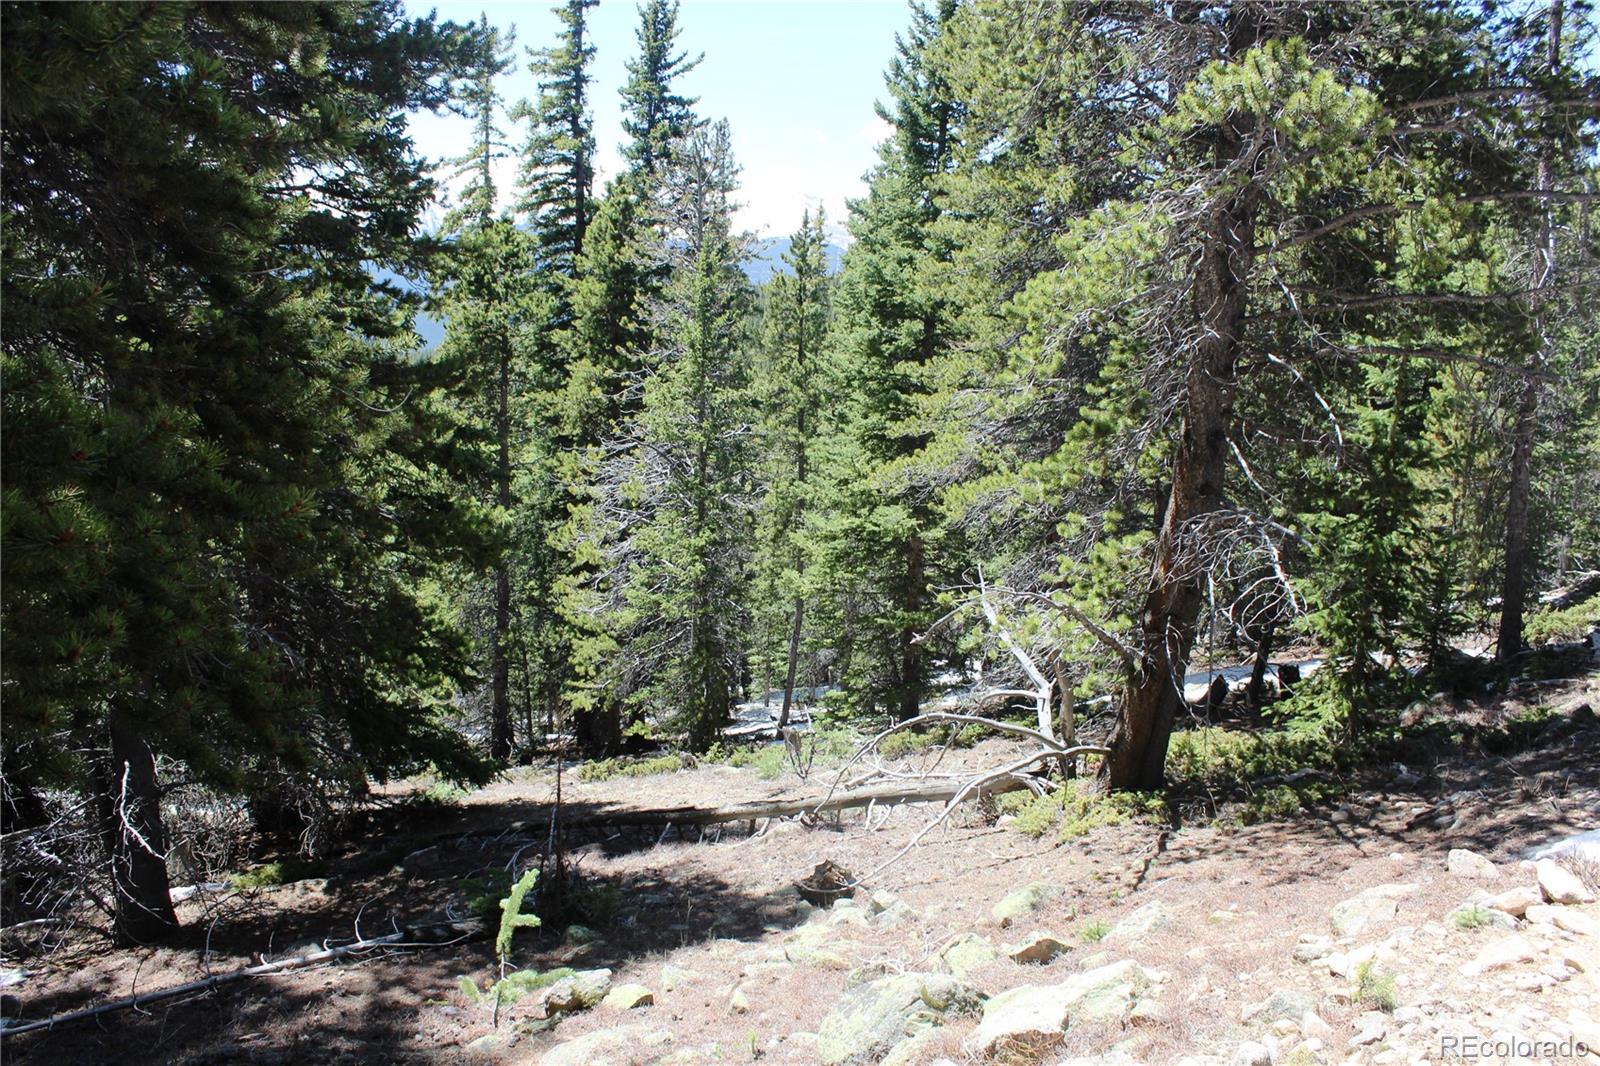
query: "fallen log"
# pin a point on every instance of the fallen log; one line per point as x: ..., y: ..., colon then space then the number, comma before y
x: 936, y: 792
x: 419, y: 937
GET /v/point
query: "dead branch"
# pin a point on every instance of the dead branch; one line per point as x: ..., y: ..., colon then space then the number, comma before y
x: 407, y: 938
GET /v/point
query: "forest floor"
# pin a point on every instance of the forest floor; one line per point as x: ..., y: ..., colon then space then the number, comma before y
x: 1247, y: 941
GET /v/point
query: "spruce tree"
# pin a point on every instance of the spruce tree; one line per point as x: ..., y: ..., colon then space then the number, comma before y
x: 790, y: 390
x: 878, y: 534
x: 225, y: 479
x: 655, y: 117
x: 685, y: 616
x: 557, y: 170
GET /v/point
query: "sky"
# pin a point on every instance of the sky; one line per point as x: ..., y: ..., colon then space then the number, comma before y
x: 796, y: 80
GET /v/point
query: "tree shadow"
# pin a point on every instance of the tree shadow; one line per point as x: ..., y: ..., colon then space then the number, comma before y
x: 397, y: 1005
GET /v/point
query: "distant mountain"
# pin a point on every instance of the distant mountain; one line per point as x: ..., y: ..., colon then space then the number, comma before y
x: 768, y: 259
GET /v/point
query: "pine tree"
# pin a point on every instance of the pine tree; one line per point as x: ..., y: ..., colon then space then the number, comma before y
x: 654, y: 117
x: 225, y: 480
x: 1133, y: 343
x: 790, y: 390
x: 557, y: 171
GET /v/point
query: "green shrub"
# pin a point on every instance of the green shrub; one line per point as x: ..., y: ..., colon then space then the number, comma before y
x: 1077, y: 809
x: 1279, y: 801
x: 1216, y: 755
x: 1573, y: 623
x: 1473, y: 917
x: 821, y: 746
x: 1374, y: 988
x: 1094, y: 932
x: 279, y: 872
x: 909, y: 741
x: 621, y: 766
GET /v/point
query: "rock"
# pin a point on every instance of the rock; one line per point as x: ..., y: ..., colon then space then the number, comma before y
x: 1286, y: 1003
x: 1312, y: 1025
x: 675, y: 977
x: 1500, y: 955
x: 1022, y: 901
x: 1464, y: 863
x: 815, y: 945
x: 1516, y: 901
x: 1250, y: 1053
x: 1037, y: 947
x: 1142, y: 922
x: 909, y: 1051
x: 964, y: 954
x: 1568, y: 918
x: 871, y: 1019
x: 1370, y: 1028
x: 607, y: 1047
x: 581, y: 991
x: 582, y: 936
x: 1559, y: 884
x: 627, y: 997
x: 489, y: 1044
x: 1369, y: 908
x: 1310, y: 947
x: 1033, y: 1017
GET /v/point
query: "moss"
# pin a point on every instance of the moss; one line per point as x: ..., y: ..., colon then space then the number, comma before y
x: 279, y: 872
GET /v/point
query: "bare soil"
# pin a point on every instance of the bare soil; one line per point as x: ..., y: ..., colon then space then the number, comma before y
x: 720, y: 904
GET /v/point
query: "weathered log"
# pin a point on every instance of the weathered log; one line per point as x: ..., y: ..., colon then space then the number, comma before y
x: 933, y: 792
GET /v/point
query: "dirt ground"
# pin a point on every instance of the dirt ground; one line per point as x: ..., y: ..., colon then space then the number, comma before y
x: 716, y: 910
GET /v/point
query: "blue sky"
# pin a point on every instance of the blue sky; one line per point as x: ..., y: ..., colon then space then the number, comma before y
x: 796, y: 81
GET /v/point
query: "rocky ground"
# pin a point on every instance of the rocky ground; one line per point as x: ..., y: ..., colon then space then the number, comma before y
x: 1400, y: 923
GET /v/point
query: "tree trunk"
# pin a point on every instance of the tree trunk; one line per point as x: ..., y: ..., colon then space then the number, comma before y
x: 794, y: 660
x: 1172, y: 604
x: 910, y: 650
x: 1258, y: 673
x: 1514, y: 583
x: 129, y: 803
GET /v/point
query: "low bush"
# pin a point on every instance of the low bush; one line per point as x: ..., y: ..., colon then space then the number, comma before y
x: 621, y: 766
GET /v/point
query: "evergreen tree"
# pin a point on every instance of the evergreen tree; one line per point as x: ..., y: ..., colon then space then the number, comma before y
x: 791, y: 394
x: 654, y: 117
x: 1252, y: 229
x: 224, y: 478
x: 608, y: 354
x: 482, y: 292
x: 557, y: 174
x: 877, y: 531
x: 685, y: 612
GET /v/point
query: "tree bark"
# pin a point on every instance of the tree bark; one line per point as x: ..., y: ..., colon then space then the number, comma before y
x: 1514, y: 582
x: 1172, y: 604
x: 910, y: 649
x: 794, y: 660
x: 129, y: 803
